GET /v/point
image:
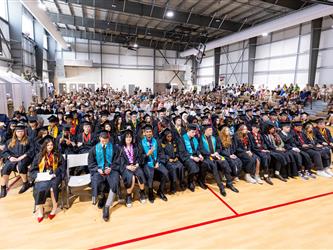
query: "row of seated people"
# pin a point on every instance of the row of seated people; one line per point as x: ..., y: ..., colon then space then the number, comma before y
x: 260, y: 150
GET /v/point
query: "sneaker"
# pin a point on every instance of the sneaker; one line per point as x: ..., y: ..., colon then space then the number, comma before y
x: 328, y: 171
x: 322, y: 173
x: 258, y: 179
x: 236, y: 179
x: 310, y: 174
x: 129, y: 201
x: 142, y: 197
x: 248, y: 178
x: 303, y: 176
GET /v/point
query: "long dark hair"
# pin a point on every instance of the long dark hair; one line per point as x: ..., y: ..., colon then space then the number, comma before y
x: 43, y: 152
x: 123, y: 138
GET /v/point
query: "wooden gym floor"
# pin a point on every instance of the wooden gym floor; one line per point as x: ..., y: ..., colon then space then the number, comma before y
x: 292, y: 215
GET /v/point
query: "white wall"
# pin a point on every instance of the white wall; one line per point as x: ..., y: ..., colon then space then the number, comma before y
x: 116, y: 66
x: 281, y: 57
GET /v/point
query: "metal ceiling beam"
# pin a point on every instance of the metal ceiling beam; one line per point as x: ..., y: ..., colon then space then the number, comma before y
x: 112, y: 26
x: 119, y: 39
x: 290, y: 4
x: 157, y: 12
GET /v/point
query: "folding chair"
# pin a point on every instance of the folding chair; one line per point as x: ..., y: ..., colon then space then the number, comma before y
x: 76, y: 160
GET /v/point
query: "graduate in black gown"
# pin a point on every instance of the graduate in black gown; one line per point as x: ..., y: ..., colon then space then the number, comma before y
x: 293, y: 151
x: 323, y: 134
x: 104, y: 172
x: 18, y: 155
x: 66, y: 141
x: 314, y: 155
x: 86, y: 139
x: 130, y: 169
x: 170, y: 157
x: 325, y: 152
x: 228, y: 151
x: 243, y: 151
x: 210, y: 148
x: 192, y: 158
x: 151, y: 164
x: 32, y: 129
x: 50, y: 161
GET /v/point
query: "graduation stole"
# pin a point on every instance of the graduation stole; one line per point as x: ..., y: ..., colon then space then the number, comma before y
x: 146, y: 147
x: 299, y: 136
x: 188, y: 146
x: 86, y: 139
x: 206, y: 145
x: 53, y: 131
x: 324, y: 134
x: 100, y: 155
x: 47, y: 162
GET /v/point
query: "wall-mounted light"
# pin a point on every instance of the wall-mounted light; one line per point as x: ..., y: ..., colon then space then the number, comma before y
x: 264, y: 34
x: 135, y: 45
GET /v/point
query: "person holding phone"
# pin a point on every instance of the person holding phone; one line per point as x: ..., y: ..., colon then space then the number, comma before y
x: 151, y: 163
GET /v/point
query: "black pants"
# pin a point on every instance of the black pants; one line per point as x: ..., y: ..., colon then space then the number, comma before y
x: 21, y: 167
x: 161, y: 174
x: 99, y: 181
x: 176, y: 171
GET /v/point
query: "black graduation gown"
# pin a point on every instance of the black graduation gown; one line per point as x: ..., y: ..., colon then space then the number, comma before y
x: 215, y: 165
x: 169, y: 156
x: 296, y: 157
x: 17, y: 151
x: 32, y: 134
x: 42, y: 189
x: 86, y: 146
x: 321, y: 138
x: 64, y: 148
x: 235, y: 164
x: 127, y: 175
x: 314, y: 155
x: 98, y: 181
x: 325, y: 152
x: 161, y: 172
x: 257, y: 148
x: 249, y: 163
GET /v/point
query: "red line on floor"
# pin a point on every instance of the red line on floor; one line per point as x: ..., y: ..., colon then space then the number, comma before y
x: 209, y: 222
x: 219, y: 197
x: 13, y: 183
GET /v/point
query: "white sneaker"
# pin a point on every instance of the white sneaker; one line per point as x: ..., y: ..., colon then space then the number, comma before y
x: 236, y: 179
x: 322, y: 173
x: 258, y: 179
x: 248, y: 178
x: 328, y: 171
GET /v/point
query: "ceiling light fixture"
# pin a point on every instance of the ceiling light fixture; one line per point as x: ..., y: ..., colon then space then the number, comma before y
x: 135, y: 45
x: 113, y: 5
x: 218, y: 20
x: 170, y: 13
x: 265, y: 34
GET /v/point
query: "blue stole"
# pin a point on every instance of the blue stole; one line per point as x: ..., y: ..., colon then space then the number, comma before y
x: 146, y: 147
x: 206, y: 145
x: 100, y: 156
x: 188, y: 143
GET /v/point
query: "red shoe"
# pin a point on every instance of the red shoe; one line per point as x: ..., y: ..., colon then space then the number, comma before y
x: 51, y: 216
x: 40, y: 219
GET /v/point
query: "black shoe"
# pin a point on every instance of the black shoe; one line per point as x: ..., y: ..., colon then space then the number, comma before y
x: 173, y: 189
x: 182, y: 186
x: 106, y: 213
x: 162, y: 195
x: 151, y: 197
x: 3, y: 191
x: 25, y: 187
x: 223, y: 192
x: 128, y: 200
x: 101, y: 202
x: 268, y: 180
x: 280, y: 178
x: 142, y: 196
x: 232, y: 188
x: 191, y: 186
x: 202, y: 185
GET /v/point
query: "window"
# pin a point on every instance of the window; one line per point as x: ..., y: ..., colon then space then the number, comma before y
x: 45, y: 42
x: 3, y: 9
x: 28, y: 26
